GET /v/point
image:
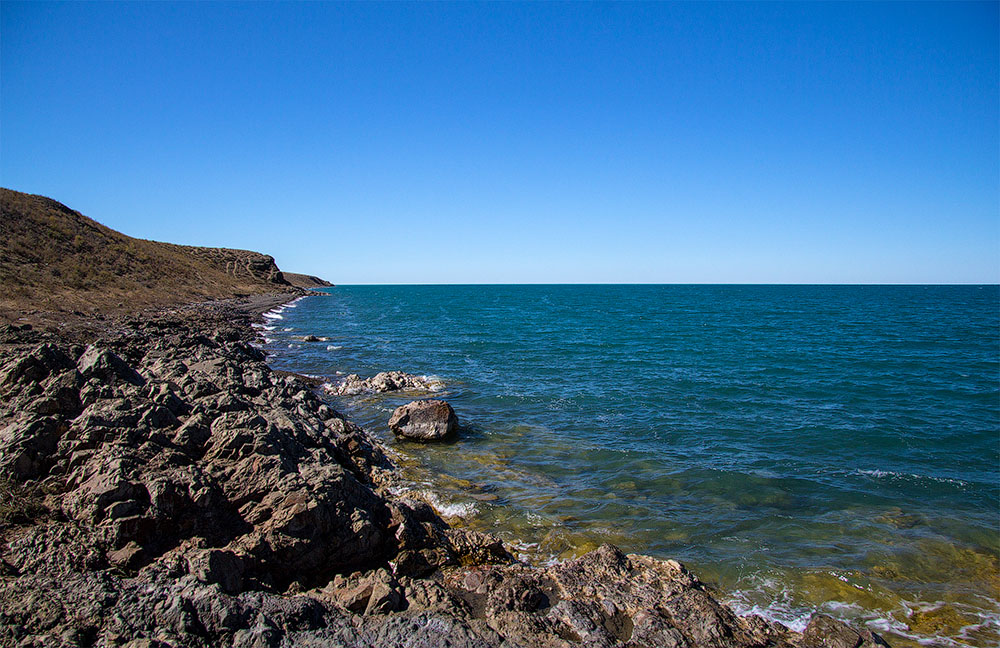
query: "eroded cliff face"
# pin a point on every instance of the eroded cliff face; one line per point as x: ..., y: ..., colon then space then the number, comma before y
x: 164, y: 487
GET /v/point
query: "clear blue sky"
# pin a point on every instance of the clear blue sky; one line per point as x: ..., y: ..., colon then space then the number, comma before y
x: 466, y: 143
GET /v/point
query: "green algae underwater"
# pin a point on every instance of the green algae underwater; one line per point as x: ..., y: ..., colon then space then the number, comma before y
x: 801, y: 448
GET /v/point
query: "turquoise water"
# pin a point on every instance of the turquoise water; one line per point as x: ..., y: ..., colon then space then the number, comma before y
x: 799, y: 447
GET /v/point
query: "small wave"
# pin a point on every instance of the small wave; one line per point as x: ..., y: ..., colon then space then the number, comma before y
x: 270, y: 315
x: 444, y: 509
x: 288, y: 329
x: 891, y: 474
x: 333, y: 347
x: 432, y: 383
x: 779, y: 606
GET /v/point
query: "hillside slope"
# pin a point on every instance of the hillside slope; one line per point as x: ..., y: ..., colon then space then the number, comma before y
x: 305, y: 281
x: 55, y: 259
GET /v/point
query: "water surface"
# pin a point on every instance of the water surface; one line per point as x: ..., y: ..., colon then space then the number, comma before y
x: 799, y: 447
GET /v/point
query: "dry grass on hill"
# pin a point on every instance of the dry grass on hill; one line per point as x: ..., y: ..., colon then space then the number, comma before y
x: 55, y: 260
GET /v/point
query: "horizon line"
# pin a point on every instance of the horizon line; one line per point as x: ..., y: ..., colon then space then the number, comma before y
x: 679, y: 283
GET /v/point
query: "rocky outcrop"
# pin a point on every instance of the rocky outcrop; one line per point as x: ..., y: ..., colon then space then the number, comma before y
x: 386, y: 381
x: 305, y: 281
x: 424, y: 420
x: 163, y: 487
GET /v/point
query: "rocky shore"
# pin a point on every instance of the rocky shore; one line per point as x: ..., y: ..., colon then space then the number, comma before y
x: 161, y: 486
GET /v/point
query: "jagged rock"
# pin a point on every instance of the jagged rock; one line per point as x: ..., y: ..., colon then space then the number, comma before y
x: 105, y: 365
x: 386, y: 381
x: 27, y: 445
x: 426, y: 420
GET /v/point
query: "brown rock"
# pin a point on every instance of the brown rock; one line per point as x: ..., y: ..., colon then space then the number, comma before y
x: 424, y: 420
x: 826, y: 632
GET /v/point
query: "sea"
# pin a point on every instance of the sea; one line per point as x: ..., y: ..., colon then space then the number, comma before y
x: 801, y: 449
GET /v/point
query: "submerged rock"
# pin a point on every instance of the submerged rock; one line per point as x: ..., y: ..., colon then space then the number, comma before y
x: 424, y: 420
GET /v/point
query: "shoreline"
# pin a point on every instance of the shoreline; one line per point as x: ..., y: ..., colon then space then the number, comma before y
x: 175, y: 487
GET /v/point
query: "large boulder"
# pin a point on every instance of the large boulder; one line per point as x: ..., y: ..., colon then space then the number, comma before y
x: 424, y: 420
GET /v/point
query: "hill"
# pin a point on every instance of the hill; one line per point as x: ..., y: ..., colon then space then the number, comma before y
x: 305, y: 281
x: 56, y: 260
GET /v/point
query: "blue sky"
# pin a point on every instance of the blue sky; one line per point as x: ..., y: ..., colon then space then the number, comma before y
x: 512, y: 143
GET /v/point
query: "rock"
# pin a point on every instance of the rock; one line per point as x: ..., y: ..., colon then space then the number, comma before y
x: 826, y: 632
x: 218, y: 566
x: 386, y: 381
x: 108, y: 367
x: 27, y: 445
x: 310, y: 338
x: 425, y: 420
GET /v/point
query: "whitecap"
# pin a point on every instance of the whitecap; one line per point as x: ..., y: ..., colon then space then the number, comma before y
x: 270, y: 315
x: 779, y: 608
x: 333, y: 347
x: 446, y: 509
x: 432, y: 383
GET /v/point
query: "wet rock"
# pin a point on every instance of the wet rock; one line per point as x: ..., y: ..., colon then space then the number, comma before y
x: 386, y: 381
x: 427, y: 420
x: 826, y: 632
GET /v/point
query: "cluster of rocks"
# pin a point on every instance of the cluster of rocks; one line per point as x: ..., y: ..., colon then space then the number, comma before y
x: 386, y: 381
x: 169, y: 489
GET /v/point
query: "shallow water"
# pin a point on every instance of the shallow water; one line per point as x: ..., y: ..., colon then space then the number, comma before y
x: 799, y: 447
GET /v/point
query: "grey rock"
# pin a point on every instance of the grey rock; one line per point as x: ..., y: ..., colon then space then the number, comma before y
x: 386, y: 381
x: 105, y: 365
